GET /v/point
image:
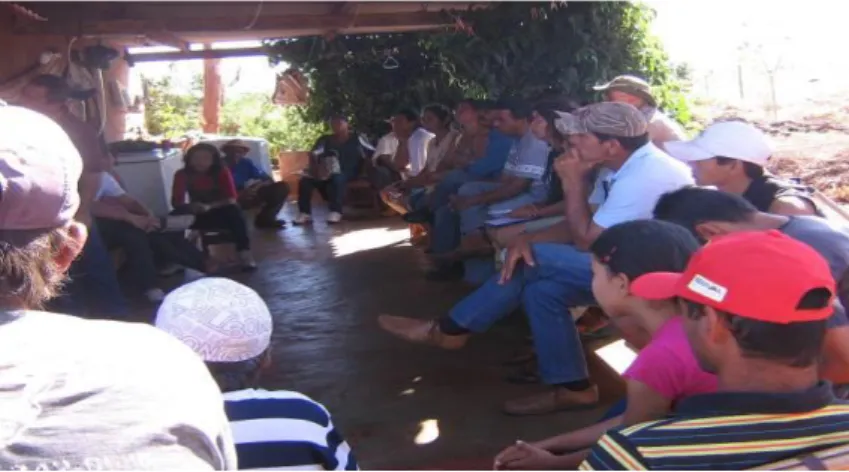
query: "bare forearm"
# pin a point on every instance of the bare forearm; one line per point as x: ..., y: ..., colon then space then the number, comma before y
x: 578, y: 214
x: 555, y: 209
x: 110, y: 211
x: 88, y: 185
x: 580, y: 439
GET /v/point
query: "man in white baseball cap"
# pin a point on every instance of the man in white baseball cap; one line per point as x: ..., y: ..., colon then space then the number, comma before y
x: 229, y: 326
x: 83, y: 394
x: 732, y: 156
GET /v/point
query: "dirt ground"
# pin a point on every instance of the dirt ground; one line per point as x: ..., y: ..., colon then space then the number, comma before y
x: 811, y: 138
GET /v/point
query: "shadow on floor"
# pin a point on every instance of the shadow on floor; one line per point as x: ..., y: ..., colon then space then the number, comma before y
x: 325, y: 286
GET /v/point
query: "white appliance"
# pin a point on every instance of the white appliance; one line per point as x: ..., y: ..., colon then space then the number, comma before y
x: 259, y: 152
x: 148, y: 176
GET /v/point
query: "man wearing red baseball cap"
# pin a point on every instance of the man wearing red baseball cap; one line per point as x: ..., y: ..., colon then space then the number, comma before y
x: 755, y: 306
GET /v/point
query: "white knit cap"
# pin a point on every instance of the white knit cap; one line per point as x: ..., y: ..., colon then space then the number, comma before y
x: 221, y: 320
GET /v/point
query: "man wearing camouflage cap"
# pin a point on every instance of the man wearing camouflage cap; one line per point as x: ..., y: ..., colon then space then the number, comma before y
x: 556, y: 273
x: 637, y: 92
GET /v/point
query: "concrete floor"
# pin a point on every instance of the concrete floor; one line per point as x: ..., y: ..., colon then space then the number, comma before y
x: 326, y: 286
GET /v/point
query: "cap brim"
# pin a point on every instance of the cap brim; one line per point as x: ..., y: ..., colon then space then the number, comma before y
x: 602, y: 87
x: 687, y: 151
x: 656, y: 286
x: 567, y: 123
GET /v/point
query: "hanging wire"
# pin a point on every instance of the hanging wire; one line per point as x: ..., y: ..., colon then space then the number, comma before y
x: 255, y: 18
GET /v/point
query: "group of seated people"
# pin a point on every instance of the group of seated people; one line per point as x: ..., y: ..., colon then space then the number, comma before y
x: 729, y: 282
x: 602, y: 206
x: 210, y: 194
x: 82, y: 394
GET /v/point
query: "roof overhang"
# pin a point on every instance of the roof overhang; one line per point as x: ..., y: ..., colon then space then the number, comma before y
x: 181, y: 23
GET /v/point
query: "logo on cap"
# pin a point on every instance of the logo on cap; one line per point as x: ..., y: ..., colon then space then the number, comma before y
x: 707, y: 288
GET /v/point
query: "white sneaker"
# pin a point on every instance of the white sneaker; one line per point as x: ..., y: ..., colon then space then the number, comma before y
x: 334, y: 217
x: 247, y: 260
x: 155, y: 295
x: 302, y: 219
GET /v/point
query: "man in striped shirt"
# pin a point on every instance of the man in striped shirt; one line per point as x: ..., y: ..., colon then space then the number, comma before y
x: 230, y: 326
x: 755, y: 306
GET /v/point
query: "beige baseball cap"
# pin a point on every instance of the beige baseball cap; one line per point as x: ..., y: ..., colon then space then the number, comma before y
x: 611, y: 118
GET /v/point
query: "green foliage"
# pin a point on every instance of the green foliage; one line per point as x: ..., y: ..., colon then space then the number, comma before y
x: 168, y: 113
x: 531, y: 49
x: 284, y: 127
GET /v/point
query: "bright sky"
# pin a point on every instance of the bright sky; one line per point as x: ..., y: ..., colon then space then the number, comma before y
x: 808, y: 38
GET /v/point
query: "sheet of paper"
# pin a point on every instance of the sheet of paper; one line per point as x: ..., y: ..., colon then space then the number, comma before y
x: 505, y: 221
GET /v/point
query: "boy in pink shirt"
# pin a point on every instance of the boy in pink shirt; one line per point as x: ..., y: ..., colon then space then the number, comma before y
x: 665, y: 370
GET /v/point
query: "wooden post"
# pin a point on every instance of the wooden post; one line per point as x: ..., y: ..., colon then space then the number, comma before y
x: 211, y: 94
x: 116, y: 116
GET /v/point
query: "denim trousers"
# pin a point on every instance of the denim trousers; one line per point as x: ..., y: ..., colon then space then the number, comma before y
x: 560, y: 279
x: 445, y: 225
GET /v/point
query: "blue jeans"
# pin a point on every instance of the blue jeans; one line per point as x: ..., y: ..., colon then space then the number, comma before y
x: 561, y: 278
x: 94, y: 288
x: 448, y: 186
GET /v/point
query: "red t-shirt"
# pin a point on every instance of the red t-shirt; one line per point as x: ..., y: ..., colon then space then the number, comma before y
x: 202, y: 188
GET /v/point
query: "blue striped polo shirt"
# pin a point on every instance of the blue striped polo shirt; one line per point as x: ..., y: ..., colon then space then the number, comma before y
x: 284, y: 430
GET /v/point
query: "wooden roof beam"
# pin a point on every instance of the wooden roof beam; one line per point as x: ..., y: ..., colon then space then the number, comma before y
x: 166, y: 38
x: 185, y: 26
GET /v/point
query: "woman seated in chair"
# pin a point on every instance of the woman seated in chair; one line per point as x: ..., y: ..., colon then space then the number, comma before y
x: 212, y: 198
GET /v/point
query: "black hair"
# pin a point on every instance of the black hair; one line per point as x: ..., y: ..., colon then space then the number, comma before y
x: 630, y: 143
x: 441, y: 112
x: 217, y: 159
x: 752, y: 171
x: 639, y: 247
x: 409, y: 114
x: 57, y: 88
x: 520, y: 109
x: 337, y: 116
x: 548, y: 109
x: 692, y: 206
x: 232, y: 376
x: 793, y: 344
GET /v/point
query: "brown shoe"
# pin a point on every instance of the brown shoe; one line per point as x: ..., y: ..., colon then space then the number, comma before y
x: 555, y: 399
x: 420, y: 331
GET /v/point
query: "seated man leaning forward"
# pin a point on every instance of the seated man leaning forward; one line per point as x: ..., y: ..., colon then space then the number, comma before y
x: 335, y: 160
x: 755, y: 306
x: 522, y: 181
x: 557, y: 273
x: 637, y: 92
x: 255, y: 187
x: 125, y: 223
x: 402, y: 153
x: 83, y: 394
x: 709, y: 213
x: 229, y: 326
x: 732, y: 156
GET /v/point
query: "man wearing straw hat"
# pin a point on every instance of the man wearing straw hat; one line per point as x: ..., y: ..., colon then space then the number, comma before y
x: 638, y: 93
x: 255, y: 187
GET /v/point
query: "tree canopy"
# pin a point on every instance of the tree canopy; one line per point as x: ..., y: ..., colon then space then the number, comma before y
x: 528, y: 49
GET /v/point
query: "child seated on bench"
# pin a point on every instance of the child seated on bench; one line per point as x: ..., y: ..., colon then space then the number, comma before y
x: 665, y: 370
